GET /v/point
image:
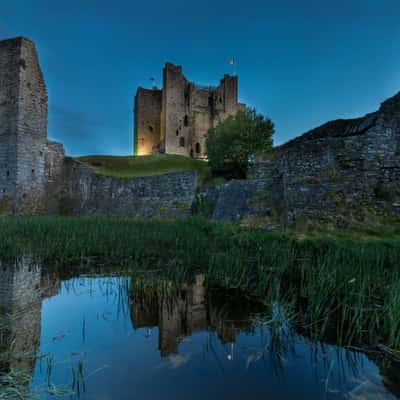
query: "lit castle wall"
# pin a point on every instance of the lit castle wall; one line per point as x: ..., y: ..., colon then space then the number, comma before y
x: 175, y: 119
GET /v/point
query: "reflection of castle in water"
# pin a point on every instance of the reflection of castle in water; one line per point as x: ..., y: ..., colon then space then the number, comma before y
x: 187, y: 311
x: 176, y: 312
x: 22, y: 289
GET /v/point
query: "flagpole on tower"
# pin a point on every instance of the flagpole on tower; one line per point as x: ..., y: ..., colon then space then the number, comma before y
x: 233, y: 63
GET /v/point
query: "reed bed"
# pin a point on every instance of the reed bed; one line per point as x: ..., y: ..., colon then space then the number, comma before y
x: 332, y: 285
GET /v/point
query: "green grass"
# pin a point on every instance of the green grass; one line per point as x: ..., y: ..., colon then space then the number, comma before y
x: 330, y: 283
x: 138, y: 166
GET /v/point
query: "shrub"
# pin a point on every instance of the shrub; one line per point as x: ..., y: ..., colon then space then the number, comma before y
x: 230, y: 145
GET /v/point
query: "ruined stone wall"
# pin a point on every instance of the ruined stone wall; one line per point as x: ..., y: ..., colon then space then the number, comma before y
x: 189, y: 111
x: 222, y: 103
x: 54, y: 176
x: 343, y: 170
x: 202, y: 113
x: 9, y: 92
x: 23, y: 128
x: 27, y: 160
x: 31, y: 132
x: 175, y: 111
x: 163, y: 196
x: 260, y: 201
x: 148, y: 105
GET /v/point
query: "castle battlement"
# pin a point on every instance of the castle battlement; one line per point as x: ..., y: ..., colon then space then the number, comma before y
x: 176, y: 118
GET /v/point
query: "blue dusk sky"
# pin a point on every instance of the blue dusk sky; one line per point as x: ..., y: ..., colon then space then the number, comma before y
x: 301, y: 62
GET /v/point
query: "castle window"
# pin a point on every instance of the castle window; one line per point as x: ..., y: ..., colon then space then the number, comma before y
x: 150, y: 128
x: 182, y: 141
x: 198, y: 148
x: 186, y: 121
x: 8, y: 173
x: 177, y: 132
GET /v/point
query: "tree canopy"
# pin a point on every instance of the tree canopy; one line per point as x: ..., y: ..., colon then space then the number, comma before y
x: 231, y: 143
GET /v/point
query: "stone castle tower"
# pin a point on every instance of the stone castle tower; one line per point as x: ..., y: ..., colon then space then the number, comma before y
x: 175, y: 119
x: 26, y: 156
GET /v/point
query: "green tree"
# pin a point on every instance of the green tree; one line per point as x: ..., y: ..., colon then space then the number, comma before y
x: 231, y: 143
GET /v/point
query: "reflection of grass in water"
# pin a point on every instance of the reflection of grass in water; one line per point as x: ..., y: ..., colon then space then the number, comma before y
x: 18, y: 384
x: 335, y: 283
x: 15, y: 385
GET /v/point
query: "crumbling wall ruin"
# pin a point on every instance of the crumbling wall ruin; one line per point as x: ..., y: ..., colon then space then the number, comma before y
x: 343, y: 170
x: 23, y: 129
x: 166, y: 196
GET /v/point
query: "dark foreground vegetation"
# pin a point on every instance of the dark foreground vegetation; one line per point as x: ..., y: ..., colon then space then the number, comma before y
x: 339, y: 286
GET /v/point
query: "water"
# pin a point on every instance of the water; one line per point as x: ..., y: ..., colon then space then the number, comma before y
x: 100, y: 338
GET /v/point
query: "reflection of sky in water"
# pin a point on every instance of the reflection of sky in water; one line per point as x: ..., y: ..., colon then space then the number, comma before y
x: 90, y: 321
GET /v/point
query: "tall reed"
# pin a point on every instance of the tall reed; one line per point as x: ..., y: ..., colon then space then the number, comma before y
x: 335, y: 285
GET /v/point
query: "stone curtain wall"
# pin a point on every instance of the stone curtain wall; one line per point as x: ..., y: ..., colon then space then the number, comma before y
x: 259, y: 201
x: 163, y: 196
x: 343, y: 170
x: 54, y: 176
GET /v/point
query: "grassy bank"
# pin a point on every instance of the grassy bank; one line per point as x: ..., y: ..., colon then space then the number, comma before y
x: 330, y: 284
x: 133, y: 167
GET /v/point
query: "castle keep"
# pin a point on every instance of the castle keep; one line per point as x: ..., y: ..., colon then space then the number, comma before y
x: 175, y: 119
x: 342, y: 170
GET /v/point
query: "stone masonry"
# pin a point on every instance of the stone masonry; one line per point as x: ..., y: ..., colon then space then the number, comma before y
x: 23, y: 129
x: 35, y: 175
x: 345, y: 169
x: 175, y: 119
x: 342, y: 170
x: 161, y: 196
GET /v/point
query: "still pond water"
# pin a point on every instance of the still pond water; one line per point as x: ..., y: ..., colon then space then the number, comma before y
x: 98, y: 338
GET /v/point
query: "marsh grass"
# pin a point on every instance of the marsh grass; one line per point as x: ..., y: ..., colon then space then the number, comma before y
x: 335, y: 285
